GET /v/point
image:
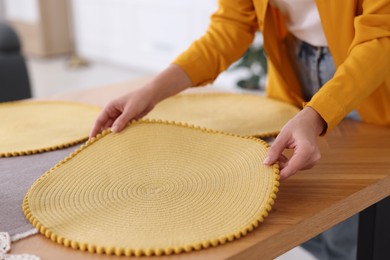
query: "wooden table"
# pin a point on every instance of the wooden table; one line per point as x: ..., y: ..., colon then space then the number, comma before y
x: 353, y: 174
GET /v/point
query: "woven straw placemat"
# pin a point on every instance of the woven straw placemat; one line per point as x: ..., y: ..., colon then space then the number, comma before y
x: 155, y: 188
x: 242, y: 114
x: 29, y: 127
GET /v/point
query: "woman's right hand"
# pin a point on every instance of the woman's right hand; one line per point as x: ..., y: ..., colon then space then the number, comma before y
x: 117, y: 113
x: 137, y: 103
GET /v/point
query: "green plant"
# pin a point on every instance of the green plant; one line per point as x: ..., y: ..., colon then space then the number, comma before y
x: 255, y: 61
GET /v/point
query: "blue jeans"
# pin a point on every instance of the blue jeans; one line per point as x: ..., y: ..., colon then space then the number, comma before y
x: 314, y: 67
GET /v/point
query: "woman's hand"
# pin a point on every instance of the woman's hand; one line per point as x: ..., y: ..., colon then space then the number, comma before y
x: 120, y: 111
x: 301, y: 134
x: 139, y: 102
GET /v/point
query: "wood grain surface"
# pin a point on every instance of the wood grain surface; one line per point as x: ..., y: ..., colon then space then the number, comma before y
x: 353, y: 173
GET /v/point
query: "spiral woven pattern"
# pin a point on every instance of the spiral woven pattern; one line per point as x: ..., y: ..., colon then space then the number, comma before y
x: 242, y: 114
x: 29, y: 127
x: 155, y: 188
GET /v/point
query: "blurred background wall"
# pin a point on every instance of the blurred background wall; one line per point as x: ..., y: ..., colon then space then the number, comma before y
x: 146, y: 34
x: 72, y: 44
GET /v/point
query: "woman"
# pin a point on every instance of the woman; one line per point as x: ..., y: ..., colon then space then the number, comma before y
x: 357, y: 33
x: 302, y: 38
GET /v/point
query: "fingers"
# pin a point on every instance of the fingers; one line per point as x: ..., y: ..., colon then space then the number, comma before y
x: 95, y: 130
x: 304, y: 158
x: 283, y: 160
x: 108, y: 124
x: 141, y: 115
x: 120, y: 111
x: 306, y: 154
x: 112, y: 117
x: 292, y: 166
x: 100, y: 121
x: 105, y: 118
x: 122, y: 120
x: 276, y: 149
x: 126, y: 116
x: 303, y: 139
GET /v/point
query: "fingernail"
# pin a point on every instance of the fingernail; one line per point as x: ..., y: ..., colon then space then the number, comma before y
x: 114, y: 128
x: 266, y: 160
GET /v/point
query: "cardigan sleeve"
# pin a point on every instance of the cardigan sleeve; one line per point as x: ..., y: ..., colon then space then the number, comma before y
x: 229, y: 34
x: 364, y: 69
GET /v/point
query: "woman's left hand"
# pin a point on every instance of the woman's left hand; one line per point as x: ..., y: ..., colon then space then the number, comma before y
x: 301, y: 134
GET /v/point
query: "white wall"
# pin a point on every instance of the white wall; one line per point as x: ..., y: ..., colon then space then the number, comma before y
x: 22, y: 10
x: 146, y: 34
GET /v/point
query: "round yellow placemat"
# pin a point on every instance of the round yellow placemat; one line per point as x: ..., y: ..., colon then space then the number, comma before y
x: 155, y: 188
x: 37, y: 126
x: 242, y: 114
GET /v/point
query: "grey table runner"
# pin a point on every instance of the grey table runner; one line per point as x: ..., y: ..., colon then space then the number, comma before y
x: 17, y: 174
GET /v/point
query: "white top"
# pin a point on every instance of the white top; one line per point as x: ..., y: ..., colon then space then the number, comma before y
x: 303, y: 20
